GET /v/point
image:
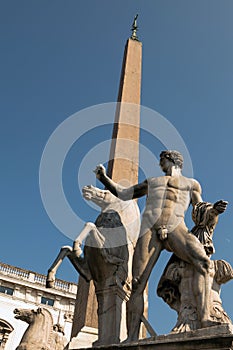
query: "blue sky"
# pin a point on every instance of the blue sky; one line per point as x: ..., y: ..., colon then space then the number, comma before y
x: 59, y: 57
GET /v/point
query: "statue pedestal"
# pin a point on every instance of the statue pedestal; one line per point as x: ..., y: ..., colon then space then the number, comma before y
x: 84, y: 339
x: 212, y: 338
x: 112, y: 314
x: 111, y: 319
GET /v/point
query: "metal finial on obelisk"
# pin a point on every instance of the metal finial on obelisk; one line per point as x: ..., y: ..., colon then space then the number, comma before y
x: 134, y: 28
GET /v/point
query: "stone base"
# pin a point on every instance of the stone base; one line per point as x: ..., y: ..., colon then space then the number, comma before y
x: 84, y: 339
x: 212, y: 338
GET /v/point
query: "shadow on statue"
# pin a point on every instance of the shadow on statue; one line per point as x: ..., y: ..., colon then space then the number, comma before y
x: 105, y: 258
x: 191, y: 281
x: 163, y: 227
x: 177, y: 285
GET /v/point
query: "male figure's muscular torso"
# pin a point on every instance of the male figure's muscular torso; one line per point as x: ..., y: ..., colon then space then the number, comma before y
x: 168, y: 198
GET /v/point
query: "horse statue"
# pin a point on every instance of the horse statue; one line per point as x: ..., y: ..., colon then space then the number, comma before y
x: 108, y: 241
x: 107, y: 255
x: 40, y: 334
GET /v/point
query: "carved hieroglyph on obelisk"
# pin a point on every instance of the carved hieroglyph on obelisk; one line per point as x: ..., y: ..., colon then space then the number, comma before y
x: 122, y: 166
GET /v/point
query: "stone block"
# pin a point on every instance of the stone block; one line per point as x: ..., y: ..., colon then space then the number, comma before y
x: 213, y: 338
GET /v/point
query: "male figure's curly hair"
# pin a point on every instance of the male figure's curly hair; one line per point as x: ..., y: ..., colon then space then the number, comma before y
x: 174, y: 156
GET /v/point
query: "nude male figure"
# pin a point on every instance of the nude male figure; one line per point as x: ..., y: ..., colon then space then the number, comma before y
x: 163, y: 227
x: 178, y: 286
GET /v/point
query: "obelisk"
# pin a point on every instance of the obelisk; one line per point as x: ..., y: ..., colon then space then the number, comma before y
x: 122, y: 166
x: 124, y: 153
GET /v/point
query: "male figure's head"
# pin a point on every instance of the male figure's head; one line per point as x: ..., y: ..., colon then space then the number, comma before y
x: 169, y: 159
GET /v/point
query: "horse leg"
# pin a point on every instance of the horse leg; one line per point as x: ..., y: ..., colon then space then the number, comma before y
x: 80, y: 265
x: 74, y: 256
x: 79, y: 262
x: 50, y: 280
x: 88, y: 228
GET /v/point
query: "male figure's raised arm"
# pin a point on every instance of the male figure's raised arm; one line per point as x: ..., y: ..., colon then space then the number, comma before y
x: 196, y: 193
x: 219, y: 207
x: 119, y: 191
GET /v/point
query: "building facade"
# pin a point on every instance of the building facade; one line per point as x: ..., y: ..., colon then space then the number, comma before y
x: 25, y: 289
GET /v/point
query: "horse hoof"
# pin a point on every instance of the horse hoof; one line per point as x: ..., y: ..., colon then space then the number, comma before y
x: 50, y: 284
x: 50, y: 280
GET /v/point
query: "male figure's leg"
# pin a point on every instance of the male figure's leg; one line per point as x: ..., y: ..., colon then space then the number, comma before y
x: 147, y: 251
x: 202, y: 290
x: 188, y: 248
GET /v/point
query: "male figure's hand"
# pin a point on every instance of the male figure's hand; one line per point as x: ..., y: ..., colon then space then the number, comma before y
x: 100, y: 171
x: 220, y: 206
x: 88, y: 192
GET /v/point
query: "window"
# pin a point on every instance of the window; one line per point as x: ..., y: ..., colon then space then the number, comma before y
x: 47, y: 301
x: 6, y: 290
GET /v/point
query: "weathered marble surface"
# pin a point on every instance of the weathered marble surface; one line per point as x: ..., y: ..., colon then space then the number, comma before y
x: 163, y: 227
x: 106, y: 259
x: 41, y: 334
x: 177, y: 285
x: 213, y: 338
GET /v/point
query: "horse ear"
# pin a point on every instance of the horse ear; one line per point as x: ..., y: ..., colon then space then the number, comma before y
x: 39, y: 310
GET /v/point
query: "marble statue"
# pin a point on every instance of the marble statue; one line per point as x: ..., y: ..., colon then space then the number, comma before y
x: 59, y: 340
x: 105, y: 257
x: 40, y: 334
x: 177, y: 284
x: 163, y: 227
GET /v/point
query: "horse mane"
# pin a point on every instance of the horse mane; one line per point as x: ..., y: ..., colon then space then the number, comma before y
x: 48, y: 313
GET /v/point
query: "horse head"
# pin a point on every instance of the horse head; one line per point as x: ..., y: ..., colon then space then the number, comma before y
x: 102, y: 198
x: 127, y: 211
x: 26, y: 315
x: 39, y: 332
